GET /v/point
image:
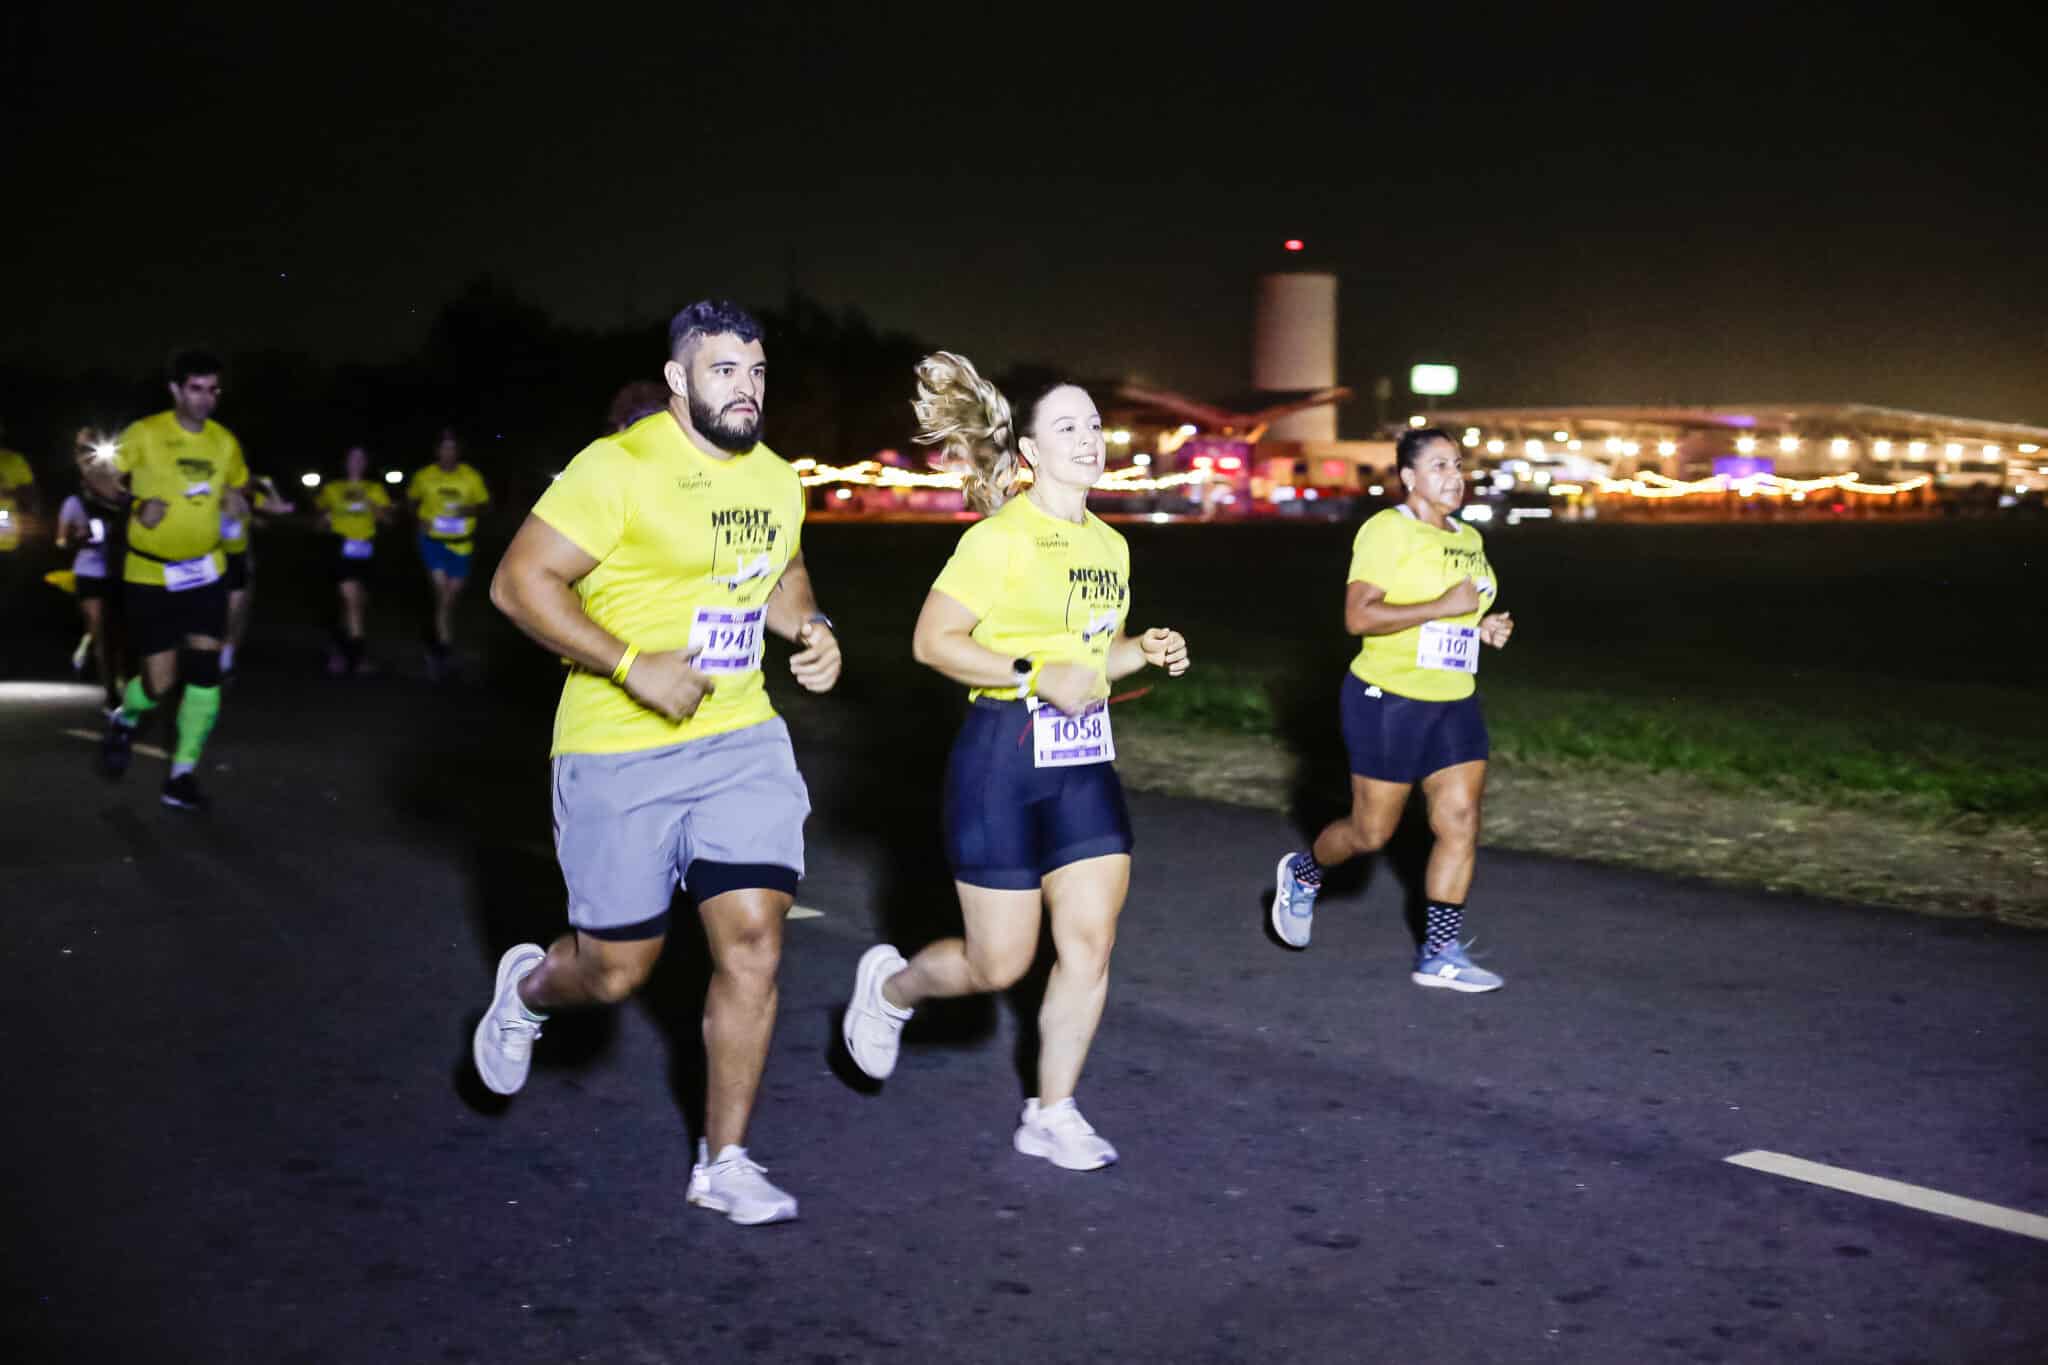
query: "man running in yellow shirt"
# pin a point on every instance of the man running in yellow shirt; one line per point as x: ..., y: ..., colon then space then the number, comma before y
x: 656, y: 564
x: 181, y: 468
x: 17, y: 505
x: 447, y: 497
x: 350, y: 509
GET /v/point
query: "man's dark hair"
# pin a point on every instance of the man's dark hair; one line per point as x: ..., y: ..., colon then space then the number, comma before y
x: 709, y: 318
x: 1415, y: 440
x: 192, y: 362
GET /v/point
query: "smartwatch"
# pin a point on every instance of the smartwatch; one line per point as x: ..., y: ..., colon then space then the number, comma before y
x: 1026, y: 674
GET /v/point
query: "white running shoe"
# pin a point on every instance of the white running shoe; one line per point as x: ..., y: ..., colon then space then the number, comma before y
x: 871, y: 1026
x: 737, y: 1186
x: 1060, y: 1135
x: 503, y: 1048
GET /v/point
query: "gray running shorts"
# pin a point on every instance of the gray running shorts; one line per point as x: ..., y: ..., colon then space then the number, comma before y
x: 723, y: 813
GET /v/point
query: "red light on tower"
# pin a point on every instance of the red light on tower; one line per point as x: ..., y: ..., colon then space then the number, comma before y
x: 1294, y: 244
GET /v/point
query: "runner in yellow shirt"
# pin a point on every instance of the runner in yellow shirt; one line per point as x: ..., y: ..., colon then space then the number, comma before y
x: 264, y: 503
x: 181, y: 469
x: 17, y: 507
x: 446, y: 498
x: 1420, y: 596
x: 1029, y: 615
x: 350, y: 510
x: 655, y: 565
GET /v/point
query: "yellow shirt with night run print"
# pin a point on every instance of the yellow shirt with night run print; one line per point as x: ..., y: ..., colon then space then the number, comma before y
x: 1411, y: 561
x: 688, y: 549
x: 352, y: 506
x: 14, y: 472
x: 436, y: 492
x: 189, y: 471
x: 1045, y: 589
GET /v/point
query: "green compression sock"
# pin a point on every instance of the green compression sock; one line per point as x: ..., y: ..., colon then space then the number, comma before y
x: 196, y: 715
x: 135, y: 703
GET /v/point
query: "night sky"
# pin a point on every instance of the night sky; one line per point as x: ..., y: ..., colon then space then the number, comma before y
x: 1628, y: 210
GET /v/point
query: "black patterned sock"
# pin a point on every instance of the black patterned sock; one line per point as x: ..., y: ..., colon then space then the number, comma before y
x: 1446, y: 922
x: 1306, y: 869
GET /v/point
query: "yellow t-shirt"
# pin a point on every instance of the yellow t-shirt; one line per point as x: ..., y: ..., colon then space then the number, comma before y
x: 352, y: 507
x: 14, y: 472
x: 676, y: 535
x: 1411, y: 561
x: 435, y: 492
x: 190, y: 471
x: 1045, y: 589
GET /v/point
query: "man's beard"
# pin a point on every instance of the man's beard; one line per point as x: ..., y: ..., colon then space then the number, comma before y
x: 733, y: 437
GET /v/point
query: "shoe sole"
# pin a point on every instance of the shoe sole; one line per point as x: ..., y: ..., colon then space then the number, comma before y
x: 1280, y: 876
x: 716, y: 1205
x: 1045, y: 1151
x: 176, y: 804
x: 871, y: 963
x: 1451, y: 984
x: 511, y: 959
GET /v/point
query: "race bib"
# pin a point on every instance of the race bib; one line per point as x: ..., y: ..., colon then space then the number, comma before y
x: 190, y: 573
x: 198, y: 490
x: 6, y: 518
x: 357, y: 549
x: 1062, y: 741
x: 99, y: 531
x: 1448, y: 648
x: 230, y: 530
x: 450, y: 526
x: 727, y: 640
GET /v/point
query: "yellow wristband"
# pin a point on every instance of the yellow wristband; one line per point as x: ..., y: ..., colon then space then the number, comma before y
x: 625, y: 664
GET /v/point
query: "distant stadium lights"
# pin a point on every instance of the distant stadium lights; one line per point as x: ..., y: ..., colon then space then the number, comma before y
x: 1992, y: 452
x: 843, y: 494
x: 1839, y: 446
x: 1471, y: 437
x: 310, y: 480
x: 1560, y: 436
x: 1614, y: 445
x: 1918, y: 450
x: 1142, y: 461
x: 1954, y: 449
x: 1532, y: 447
x: 1746, y: 445
x: 1574, y: 444
x: 1120, y: 437
x: 1667, y: 447
x: 2028, y: 447
x: 1631, y: 448
x: 1788, y: 444
x: 1294, y: 244
x: 1496, y: 446
x: 1436, y: 380
x: 1881, y: 450
x: 1418, y: 420
x: 1478, y: 511
x: 393, y: 476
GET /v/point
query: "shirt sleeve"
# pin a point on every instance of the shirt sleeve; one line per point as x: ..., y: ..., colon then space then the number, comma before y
x: 973, y: 577
x: 1376, y: 553
x: 379, y: 497
x: 588, y: 502
x: 72, y: 513
x: 238, y: 469
x: 417, y: 489
x: 483, y: 493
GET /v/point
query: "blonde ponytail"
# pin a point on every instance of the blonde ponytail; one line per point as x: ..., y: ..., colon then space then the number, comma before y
x: 969, y: 420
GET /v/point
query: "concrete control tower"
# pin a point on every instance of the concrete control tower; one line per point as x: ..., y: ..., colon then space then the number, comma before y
x: 1294, y: 349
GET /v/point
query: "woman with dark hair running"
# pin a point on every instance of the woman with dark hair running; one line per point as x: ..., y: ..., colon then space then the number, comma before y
x: 1418, y: 595
x: 91, y: 523
x: 1029, y: 615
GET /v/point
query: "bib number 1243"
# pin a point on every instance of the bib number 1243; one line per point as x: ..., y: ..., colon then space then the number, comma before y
x: 1062, y: 741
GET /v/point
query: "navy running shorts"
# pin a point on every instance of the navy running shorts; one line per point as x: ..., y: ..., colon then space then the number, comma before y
x: 159, y: 619
x: 1008, y: 822
x: 1399, y: 739
x: 440, y: 557
x: 237, y: 576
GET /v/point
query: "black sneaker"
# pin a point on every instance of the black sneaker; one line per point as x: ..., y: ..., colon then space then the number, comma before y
x: 117, y: 747
x: 181, y: 791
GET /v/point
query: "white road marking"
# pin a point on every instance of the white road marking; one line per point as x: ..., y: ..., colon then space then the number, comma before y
x: 805, y: 912
x: 146, y: 750
x: 1895, y: 1192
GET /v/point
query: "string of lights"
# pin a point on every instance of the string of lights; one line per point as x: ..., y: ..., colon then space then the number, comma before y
x: 1653, y: 485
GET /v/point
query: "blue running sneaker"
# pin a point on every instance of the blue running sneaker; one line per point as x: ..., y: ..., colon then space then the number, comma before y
x: 1452, y: 970
x: 1294, y: 905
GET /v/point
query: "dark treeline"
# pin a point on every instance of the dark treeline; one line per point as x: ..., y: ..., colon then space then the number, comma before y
x: 525, y: 392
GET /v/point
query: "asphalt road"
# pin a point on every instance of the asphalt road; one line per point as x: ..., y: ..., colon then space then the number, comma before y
x: 241, y: 1128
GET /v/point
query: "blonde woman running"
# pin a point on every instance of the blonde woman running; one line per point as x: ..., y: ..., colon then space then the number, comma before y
x: 1029, y: 616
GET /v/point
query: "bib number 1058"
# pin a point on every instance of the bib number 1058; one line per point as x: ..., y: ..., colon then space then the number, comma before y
x: 1063, y: 741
